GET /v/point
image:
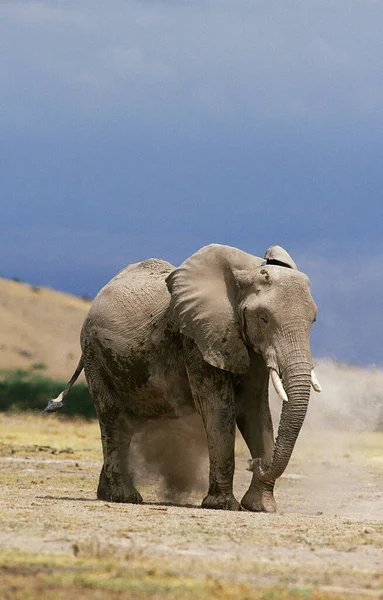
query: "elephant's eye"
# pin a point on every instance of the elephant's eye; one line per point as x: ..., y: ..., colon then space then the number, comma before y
x: 263, y: 318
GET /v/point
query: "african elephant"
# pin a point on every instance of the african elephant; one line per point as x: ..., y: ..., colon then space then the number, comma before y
x: 161, y: 341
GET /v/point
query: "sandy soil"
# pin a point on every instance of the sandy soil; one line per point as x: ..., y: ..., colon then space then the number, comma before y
x: 326, y: 538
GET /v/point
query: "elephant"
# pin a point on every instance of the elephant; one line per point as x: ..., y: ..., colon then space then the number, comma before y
x: 161, y: 341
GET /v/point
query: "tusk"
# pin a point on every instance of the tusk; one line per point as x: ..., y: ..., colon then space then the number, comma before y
x: 314, y: 382
x: 278, y: 385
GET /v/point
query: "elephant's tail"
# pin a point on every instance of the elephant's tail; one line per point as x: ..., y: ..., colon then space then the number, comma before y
x: 58, y: 402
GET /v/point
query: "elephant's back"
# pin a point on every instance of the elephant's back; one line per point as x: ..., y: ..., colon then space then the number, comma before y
x: 144, y: 272
x: 126, y: 310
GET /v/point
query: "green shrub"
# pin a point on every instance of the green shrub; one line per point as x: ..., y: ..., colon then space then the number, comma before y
x: 22, y: 390
x: 39, y: 367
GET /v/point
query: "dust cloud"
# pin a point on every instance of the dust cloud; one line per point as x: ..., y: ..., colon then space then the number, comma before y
x: 339, y: 443
x: 172, y: 455
x: 351, y: 400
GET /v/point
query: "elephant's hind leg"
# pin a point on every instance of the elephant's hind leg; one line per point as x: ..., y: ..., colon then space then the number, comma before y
x: 116, y: 483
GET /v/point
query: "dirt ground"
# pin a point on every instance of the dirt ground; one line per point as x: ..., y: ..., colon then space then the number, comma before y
x: 57, y: 540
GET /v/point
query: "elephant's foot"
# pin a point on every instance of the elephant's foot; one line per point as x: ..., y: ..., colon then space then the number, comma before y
x: 103, y: 489
x: 259, y: 499
x: 128, y: 494
x: 221, y: 502
x: 133, y: 497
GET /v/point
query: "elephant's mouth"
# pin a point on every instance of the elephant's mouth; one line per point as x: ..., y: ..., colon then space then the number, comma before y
x: 278, y: 385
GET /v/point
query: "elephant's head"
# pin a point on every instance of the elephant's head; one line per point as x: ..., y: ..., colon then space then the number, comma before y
x: 229, y: 301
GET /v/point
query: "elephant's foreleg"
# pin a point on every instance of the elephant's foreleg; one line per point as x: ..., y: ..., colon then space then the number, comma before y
x: 214, y: 399
x: 116, y: 483
x: 255, y: 424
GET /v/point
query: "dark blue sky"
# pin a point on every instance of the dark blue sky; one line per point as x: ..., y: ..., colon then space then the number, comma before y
x: 138, y: 129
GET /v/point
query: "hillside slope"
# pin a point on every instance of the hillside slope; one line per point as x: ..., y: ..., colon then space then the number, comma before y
x: 40, y: 326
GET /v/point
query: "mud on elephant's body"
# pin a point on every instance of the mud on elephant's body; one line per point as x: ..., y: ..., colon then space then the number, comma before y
x: 165, y: 341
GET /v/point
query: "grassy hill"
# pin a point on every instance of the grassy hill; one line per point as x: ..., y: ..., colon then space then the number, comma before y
x: 40, y: 326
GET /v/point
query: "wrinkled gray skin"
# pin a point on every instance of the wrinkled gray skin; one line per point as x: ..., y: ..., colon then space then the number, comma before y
x: 164, y: 342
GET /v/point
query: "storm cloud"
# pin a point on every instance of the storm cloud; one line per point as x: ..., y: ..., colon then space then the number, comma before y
x: 138, y: 129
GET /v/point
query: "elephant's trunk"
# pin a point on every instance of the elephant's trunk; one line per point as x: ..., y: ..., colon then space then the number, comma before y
x: 296, y: 376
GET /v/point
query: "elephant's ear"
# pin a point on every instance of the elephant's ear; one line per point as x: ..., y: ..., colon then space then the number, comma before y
x: 204, y: 302
x: 275, y: 255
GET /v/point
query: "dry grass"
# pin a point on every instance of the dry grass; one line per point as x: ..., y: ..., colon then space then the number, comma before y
x: 28, y: 434
x: 58, y: 541
x: 27, y: 577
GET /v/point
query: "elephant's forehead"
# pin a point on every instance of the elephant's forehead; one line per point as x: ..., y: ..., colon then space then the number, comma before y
x: 284, y: 276
x: 288, y: 287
